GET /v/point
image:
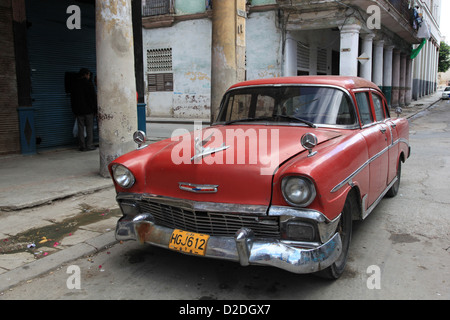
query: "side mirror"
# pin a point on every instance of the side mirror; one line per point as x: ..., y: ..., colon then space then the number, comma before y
x: 309, y: 141
x: 139, y: 138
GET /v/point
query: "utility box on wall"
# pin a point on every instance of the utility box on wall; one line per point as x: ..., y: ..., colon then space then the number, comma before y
x: 27, y: 130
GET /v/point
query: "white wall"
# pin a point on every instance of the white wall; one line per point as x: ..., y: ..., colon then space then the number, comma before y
x: 191, y: 58
x: 264, y: 42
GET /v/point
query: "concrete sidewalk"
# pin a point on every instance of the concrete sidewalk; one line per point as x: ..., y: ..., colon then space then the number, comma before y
x: 48, y: 189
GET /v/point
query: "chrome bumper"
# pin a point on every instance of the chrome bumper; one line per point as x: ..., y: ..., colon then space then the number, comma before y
x: 243, y: 247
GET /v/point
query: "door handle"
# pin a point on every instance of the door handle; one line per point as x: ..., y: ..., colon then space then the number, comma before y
x: 393, y: 125
x: 383, y: 130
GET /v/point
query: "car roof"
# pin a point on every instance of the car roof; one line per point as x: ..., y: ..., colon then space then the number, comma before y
x: 345, y: 82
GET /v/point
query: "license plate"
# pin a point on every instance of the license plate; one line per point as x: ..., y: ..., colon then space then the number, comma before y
x: 188, y: 242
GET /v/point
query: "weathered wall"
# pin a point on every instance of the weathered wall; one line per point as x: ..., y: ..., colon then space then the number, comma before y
x: 191, y: 55
x: 263, y: 48
x: 9, y: 123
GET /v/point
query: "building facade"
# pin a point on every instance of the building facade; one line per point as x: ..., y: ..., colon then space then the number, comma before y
x: 44, y: 41
x: 371, y: 39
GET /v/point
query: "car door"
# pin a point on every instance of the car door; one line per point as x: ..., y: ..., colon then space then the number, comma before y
x: 393, y: 146
x: 375, y: 134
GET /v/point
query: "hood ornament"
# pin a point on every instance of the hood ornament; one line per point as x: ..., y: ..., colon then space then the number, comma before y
x: 200, y: 151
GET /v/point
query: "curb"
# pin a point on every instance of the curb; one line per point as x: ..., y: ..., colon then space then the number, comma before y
x: 42, y: 201
x: 423, y: 109
x: 39, y: 267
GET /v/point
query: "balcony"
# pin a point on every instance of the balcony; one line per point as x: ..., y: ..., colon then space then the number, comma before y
x: 402, y: 6
x: 316, y: 14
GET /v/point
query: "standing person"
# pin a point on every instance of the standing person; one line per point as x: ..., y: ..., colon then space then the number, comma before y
x: 84, y: 106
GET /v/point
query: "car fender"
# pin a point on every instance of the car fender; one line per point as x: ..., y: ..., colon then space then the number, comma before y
x: 332, y: 165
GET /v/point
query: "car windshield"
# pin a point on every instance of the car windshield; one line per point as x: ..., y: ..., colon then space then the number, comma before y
x: 307, y: 105
x: 447, y: 89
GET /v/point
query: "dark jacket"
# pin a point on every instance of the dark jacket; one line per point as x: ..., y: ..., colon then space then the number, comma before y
x: 83, y: 97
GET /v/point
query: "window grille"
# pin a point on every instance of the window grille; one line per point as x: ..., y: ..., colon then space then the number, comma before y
x: 160, y: 82
x: 322, y: 60
x: 159, y: 70
x: 159, y: 60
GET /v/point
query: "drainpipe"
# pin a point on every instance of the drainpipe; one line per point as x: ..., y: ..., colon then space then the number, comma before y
x: 228, y: 48
x: 116, y: 81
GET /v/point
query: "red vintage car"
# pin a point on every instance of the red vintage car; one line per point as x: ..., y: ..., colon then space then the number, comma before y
x: 276, y: 180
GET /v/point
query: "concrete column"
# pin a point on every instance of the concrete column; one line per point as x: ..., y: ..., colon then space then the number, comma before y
x: 416, y: 77
x: 408, y: 84
x: 423, y: 57
x: 290, y: 57
x: 367, y: 48
x: 377, y: 67
x: 387, y: 73
x: 434, y: 73
x: 228, y: 49
x: 116, y: 81
x: 348, y: 65
x: 402, y: 84
x: 427, y: 69
x: 395, y: 78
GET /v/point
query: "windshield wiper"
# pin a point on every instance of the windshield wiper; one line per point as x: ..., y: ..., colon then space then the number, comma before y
x: 248, y: 120
x: 312, y: 125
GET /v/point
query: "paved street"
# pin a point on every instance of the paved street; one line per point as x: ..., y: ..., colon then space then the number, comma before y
x: 406, y: 241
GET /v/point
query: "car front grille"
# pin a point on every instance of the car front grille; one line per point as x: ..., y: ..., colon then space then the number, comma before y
x: 212, y: 223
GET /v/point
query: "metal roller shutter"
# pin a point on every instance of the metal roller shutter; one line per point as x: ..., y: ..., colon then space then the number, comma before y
x: 54, y: 50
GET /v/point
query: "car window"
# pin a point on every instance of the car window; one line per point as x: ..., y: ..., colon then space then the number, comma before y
x: 319, y: 105
x: 447, y: 89
x: 378, y: 107
x: 362, y: 99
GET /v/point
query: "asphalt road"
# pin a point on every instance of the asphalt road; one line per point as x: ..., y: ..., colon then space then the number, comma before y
x: 401, y: 251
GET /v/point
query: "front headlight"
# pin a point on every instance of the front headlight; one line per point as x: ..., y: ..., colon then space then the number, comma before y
x: 123, y: 176
x: 298, y: 191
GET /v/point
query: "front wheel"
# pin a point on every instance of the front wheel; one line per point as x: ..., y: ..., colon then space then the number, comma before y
x: 345, y: 231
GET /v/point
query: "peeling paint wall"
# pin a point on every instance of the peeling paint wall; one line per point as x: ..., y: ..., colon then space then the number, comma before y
x: 262, y: 2
x: 264, y: 54
x: 190, y: 7
x: 191, y: 65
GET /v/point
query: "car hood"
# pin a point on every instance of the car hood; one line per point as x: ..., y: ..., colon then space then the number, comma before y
x: 237, y: 166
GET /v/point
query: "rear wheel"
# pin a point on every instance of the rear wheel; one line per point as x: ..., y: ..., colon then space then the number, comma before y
x: 345, y: 231
x: 396, y: 186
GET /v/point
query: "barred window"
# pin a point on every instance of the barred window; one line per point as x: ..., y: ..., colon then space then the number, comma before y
x: 159, y: 69
x: 155, y: 7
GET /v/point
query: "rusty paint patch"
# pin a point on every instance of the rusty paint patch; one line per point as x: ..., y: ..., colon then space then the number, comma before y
x: 142, y: 229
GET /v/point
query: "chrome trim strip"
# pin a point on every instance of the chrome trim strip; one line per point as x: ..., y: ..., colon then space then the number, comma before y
x: 365, y: 164
x: 198, y: 188
x: 258, y: 210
